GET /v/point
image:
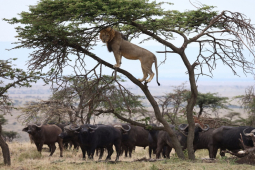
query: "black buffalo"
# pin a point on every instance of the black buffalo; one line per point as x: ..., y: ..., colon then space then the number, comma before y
x: 92, y: 137
x: 133, y: 136
x: 164, y: 139
x: 227, y: 137
x: 153, y: 140
x: 45, y: 134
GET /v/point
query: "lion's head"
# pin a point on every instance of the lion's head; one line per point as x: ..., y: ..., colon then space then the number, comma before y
x: 107, y: 34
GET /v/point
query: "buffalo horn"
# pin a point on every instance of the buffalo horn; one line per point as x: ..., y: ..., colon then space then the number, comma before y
x: 183, y: 128
x: 39, y: 125
x: 248, y: 134
x: 253, y: 131
x: 93, y: 128
x: 204, y: 129
x: 120, y: 126
x: 75, y: 128
x: 125, y: 129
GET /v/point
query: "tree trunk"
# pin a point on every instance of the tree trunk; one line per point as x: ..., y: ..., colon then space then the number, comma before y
x: 190, y: 107
x: 200, y: 111
x: 191, y: 102
x: 5, y: 149
x: 90, y: 112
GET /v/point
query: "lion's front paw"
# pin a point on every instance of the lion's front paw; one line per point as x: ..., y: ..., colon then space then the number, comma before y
x: 116, y: 66
x: 140, y: 80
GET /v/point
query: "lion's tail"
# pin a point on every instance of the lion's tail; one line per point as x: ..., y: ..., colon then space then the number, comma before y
x: 156, y: 68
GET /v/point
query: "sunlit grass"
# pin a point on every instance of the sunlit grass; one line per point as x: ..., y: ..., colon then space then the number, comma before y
x: 24, y: 156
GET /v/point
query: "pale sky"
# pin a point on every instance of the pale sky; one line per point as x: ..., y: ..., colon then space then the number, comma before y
x: 172, y: 70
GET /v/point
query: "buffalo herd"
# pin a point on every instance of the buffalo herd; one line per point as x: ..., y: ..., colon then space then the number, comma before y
x: 125, y: 137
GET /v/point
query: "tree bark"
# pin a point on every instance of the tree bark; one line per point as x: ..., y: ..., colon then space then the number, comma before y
x: 191, y: 104
x: 5, y: 149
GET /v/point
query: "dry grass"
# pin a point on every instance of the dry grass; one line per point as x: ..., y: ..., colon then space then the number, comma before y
x: 25, y: 157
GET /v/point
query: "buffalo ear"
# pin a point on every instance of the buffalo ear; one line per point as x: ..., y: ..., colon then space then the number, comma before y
x: 25, y: 129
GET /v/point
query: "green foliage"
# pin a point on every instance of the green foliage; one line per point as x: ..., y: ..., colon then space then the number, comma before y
x: 211, y: 101
x: 10, y: 135
x: 16, y: 78
x: 247, y: 101
x: 3, y: 121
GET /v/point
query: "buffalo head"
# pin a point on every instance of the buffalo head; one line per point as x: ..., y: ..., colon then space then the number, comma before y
x: 184, y: 127
x: 251, y: 134
x: 32, y: 129
x: 88, y: 128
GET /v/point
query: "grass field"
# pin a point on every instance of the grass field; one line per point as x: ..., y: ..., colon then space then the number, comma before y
x: 24, y: 156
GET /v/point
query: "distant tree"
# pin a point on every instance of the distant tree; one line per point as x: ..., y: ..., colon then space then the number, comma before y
x: 211, y: 101
x: 231, y: 115
x: 11, y: 77
x: 10, y: 135
x: 59, y: 30
x: 3, y: 120
x: 79, y: 98
x: 173, y: 103
x: 247, y: 101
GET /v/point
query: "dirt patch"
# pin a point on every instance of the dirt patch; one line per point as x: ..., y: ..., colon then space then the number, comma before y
x: 249, y: 159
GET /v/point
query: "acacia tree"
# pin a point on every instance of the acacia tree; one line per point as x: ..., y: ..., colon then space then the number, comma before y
x: 210, y: 101
x: 78, y: 100
x: 247, y: 101
x: 11, y: 77
x: 57, y: 28
x: 174, y: 103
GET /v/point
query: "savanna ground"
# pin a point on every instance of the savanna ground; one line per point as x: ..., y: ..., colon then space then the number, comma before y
x: 25, y: 157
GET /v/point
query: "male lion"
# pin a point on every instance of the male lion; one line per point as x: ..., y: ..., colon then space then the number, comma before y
x: 121, y: 47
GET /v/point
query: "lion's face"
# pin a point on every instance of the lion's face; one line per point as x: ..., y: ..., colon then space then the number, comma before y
x: 105, y: 37
x: 107, y: 34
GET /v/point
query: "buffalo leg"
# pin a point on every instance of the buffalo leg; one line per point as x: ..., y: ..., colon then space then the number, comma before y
x: 39, y: 147
x: 130, y: 149
x: 60, y: 144
x: 126, y: 151
x: 160, y: 145
x: 214, y: 153
x: 117, y: 148
x: 110, y: 151
x: 222, y: 153
x: 101, y: 153
x: 83, y: 152
x: 92, y: 151
x: 167, y: 151
x: 53, y: 148
x: 150, y: 150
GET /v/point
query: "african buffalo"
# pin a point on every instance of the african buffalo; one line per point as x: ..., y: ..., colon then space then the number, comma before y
x: 92, y: 137
x: 153, y: 140
x: 164, y: 139
x: 45, y: 134
x: 227, y: 137
x: 133, y: 136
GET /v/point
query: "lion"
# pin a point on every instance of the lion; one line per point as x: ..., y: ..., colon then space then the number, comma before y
x: 120, y: 47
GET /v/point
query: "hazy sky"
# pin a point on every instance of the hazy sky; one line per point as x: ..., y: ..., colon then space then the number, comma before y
x: 172, y: 70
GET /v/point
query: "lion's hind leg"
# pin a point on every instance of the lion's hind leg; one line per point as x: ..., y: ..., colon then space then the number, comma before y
x: 145, y: 75
x: 147, y: 70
